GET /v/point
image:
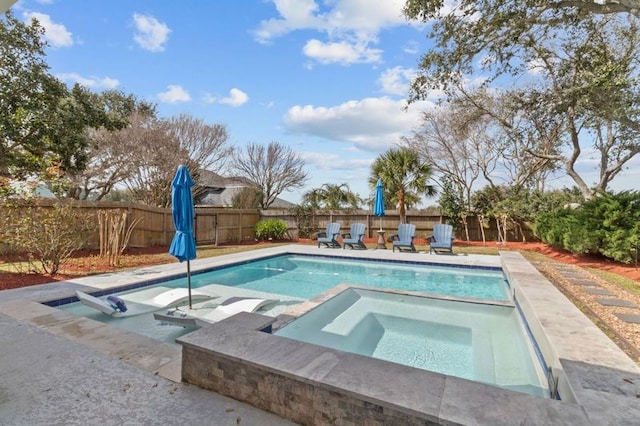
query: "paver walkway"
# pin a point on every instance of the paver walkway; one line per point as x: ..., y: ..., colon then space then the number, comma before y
x: 615, y: 308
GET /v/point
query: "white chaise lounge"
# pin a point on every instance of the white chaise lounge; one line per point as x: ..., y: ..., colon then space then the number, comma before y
x: 144, y: 301
x: 227, y: 308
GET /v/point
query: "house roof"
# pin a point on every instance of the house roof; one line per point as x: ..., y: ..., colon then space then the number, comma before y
x: 220, y: 190
x: 211, y: 179
x: 33, y: 189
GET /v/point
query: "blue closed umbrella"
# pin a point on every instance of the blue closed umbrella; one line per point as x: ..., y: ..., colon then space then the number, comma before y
x: 378, y: 204
x: 183, y: 245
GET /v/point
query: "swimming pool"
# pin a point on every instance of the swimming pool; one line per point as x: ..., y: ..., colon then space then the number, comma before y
x: 478, y: 342
x: 309, y: 276
x: 302, y: 277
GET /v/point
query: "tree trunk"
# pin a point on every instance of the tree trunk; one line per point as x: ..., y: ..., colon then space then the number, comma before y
x: 401, y: 210
x: 465, y: 223
x: 481, y: 222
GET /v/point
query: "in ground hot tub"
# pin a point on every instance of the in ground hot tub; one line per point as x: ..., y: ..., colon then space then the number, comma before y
x: 476, y: 341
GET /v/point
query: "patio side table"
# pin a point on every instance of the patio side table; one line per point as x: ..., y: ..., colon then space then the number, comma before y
x: 381, y: 242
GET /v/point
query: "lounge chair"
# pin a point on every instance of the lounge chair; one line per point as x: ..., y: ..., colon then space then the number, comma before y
x: 354, y: 238
x: 226, y: 309
x: 330, y: 237
x: 141, y: 302
x: 403, y: 240
x: 442, y: 239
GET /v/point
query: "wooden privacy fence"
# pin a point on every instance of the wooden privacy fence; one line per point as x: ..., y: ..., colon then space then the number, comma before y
x: 154, y: 226
x: 424, y: 221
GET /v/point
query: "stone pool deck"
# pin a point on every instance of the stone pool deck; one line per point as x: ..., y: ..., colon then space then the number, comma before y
x: 60, y: 369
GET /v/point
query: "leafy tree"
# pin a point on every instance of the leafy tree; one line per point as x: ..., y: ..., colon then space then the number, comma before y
x: 577, y: 78
x: 332, y: 196
x: 274, y: 169
x: 452, y: 204
x: 404, y: 176
x: 494, y: 29
x: 594, y: 92
x: 44, y: 124
x: 29, y: 101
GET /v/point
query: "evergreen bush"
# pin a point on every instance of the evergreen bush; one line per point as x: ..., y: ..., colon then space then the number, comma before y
x: 271, y: 229
x: 608, y: 224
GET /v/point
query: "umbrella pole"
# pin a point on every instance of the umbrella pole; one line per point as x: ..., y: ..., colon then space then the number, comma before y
x: 189, y: 281
x: 381, y: 223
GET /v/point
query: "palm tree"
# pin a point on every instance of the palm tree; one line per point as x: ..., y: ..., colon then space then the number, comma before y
x: 332, y: 196
x: 404, y: 177
x: 313, y: 198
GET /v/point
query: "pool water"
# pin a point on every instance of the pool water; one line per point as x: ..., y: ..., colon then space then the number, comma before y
x: 304, y: 277
x: 144, y: 324
x: 310, y: 276
x: 484, y: 343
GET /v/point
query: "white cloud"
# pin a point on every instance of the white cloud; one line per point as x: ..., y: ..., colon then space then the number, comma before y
x: 396, y: 81
x: 350, y: 26
x: 411, y: 48
x: 92, y: 82
x: 208, y: 98
x: 341, y: 52
x: 371, y: 124
x: 174, y: 94
x: 295, y: 15
x: 328, y: 161
x: 361, y: 18
x: 236, y: 98
x: 151, y: 34
x: 56, y: 34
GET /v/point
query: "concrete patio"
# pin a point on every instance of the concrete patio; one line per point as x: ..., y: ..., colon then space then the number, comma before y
x: 56, y: 368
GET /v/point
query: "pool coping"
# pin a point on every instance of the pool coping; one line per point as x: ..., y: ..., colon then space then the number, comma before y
x: 602, y: 380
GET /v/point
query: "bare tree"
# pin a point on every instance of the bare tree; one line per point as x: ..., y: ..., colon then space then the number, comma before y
x: 154, y: 157
x: 456, y: 147
x: 274, y: 169
x: 109, y: 157
x: 513, y: 132
x: 460, y: 148
x: 246, y: 198
x: 144, y: 156
x: 206, y: 145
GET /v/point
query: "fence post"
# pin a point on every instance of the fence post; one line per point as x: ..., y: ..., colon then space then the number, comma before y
x: 128, y: 224
x: 164, y: 227
x: 215, y: 228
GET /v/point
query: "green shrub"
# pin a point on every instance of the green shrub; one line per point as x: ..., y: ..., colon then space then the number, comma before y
x: 304, y: 219
x: 48, y: 236
x: 271, y: 229
x: 608, y: 224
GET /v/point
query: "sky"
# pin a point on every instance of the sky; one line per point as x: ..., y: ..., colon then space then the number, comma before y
x: 327, y: 78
